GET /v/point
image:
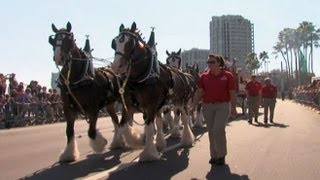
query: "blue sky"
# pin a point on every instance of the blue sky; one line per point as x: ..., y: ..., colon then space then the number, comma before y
x: 26, y: 26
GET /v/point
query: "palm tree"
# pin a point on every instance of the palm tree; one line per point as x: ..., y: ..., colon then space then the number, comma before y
x: 263, y: 56
x: 310, y: 38
x: 252, y: 62
x: 278, y: 48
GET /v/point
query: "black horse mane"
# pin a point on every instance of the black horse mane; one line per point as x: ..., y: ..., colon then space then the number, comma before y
x: 137, y: 34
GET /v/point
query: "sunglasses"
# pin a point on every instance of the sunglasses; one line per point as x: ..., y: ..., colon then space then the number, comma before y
x: 211, y: 62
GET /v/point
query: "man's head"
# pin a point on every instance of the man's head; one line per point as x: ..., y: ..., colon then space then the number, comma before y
x: 253, y: 77
x: 267, y: 80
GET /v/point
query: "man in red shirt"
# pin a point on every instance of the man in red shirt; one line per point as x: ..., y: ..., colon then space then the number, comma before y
x: 269, y: 95
x: 253, y: 89
x: 217, y: 89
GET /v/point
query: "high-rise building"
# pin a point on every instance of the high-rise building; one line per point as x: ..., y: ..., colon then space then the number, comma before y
x: 232, y: 36
x: 195, y: 56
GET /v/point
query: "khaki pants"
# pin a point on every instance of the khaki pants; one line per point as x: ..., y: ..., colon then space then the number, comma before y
x: 253, y: 106
x: 216, y: 117
x: 269, y: 105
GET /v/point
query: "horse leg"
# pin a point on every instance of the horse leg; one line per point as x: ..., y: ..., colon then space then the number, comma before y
x: 175, y: 131
x: 160, y: 141
x: 187, y: 136
x: 97, y: 141
x: 150, y: 152
x: 133, y: 138
x: 71, y: 152
x: 167, y: 118
x: 199, y: 117
x: 117, y: 141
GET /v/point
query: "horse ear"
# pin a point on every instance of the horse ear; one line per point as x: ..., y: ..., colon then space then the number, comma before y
x: 121, y: 28
x: 54, y: 29
x: 51, y: 41
x: 133, y: 27
x: 179, y: 51
x: 69, y: 27
x: 167, y: 53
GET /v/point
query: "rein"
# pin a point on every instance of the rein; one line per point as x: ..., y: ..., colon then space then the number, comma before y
x: 67, y: 83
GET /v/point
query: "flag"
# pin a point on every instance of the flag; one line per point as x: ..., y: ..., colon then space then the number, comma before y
x: 303, y: 64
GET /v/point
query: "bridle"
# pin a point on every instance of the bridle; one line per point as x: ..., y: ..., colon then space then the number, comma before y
x: 57, y: 42
x: 136, y: 40
x: 67, y: 59
x: 174, y: 56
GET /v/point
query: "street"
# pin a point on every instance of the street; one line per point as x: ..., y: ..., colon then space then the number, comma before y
x: 287, y: 149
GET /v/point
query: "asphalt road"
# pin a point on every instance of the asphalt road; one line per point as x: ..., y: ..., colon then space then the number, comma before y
x: 287, y: 149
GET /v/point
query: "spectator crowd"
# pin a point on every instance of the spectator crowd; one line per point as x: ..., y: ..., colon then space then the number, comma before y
x: 308, y: 95
x: 30, y: 104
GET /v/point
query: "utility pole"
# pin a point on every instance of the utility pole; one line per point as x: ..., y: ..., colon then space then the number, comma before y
x: 281, y: 77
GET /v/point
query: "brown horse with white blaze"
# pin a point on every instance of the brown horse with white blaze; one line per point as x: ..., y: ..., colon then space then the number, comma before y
x: 85, y: 90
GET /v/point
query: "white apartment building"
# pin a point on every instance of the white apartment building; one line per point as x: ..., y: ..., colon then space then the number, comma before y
x: 232, y: 36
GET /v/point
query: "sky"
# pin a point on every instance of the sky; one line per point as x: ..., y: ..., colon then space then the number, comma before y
x: 26, y: 26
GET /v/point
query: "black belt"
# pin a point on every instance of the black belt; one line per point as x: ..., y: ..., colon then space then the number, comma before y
x: 214, y: 102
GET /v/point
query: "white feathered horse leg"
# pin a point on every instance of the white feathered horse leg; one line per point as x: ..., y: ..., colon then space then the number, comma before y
x: 160, y: 141
x: 71, y: 153
x: 187, y: 139
x: 150, y: 152
x: 132, y: 137
x: 175, y: 132
x: 199, y: 118
x: 98, y: 143
x: 117, y: 141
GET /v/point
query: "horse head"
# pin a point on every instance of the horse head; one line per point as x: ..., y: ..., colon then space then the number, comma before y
x: 66, y: 51
x: 193, y: 70
x: 62, y: 43
x: 129, y: 49
x: 174, y: 59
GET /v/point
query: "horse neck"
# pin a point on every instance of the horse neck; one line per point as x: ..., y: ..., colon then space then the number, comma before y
x: 77, y: 66
x: 141, y: 66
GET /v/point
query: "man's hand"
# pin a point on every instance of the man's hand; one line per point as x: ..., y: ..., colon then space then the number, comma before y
x: 234, y: 112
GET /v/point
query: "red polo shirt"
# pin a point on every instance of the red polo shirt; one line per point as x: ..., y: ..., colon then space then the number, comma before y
x: 216, y: 87
x: 253, y: 88
x: 269, y: 91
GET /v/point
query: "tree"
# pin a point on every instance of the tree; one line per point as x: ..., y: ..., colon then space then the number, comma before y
x: 252, y: 63
x: 263, y: 56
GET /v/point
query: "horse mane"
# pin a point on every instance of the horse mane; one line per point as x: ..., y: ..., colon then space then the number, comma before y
x: 137, y: 33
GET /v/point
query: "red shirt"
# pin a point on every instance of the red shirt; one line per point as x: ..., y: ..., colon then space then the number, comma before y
x: 253, y: 88
x: 269, y: 91
x: 217, y: 87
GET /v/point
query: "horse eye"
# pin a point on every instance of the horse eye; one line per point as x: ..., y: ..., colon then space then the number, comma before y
x: 121, y: 40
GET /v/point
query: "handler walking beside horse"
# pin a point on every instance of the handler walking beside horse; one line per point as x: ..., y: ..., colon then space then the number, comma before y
x: 217, y: 89
x: 253, y: 89
x: 269, y: 95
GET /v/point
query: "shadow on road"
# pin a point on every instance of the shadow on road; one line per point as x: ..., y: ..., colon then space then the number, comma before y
x: 223, y: 172
x: 172, y: 163
x: 279, y: 125
x: 93, y: 163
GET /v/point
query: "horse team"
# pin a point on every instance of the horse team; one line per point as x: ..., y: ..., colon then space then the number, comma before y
x: 136, y: 79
